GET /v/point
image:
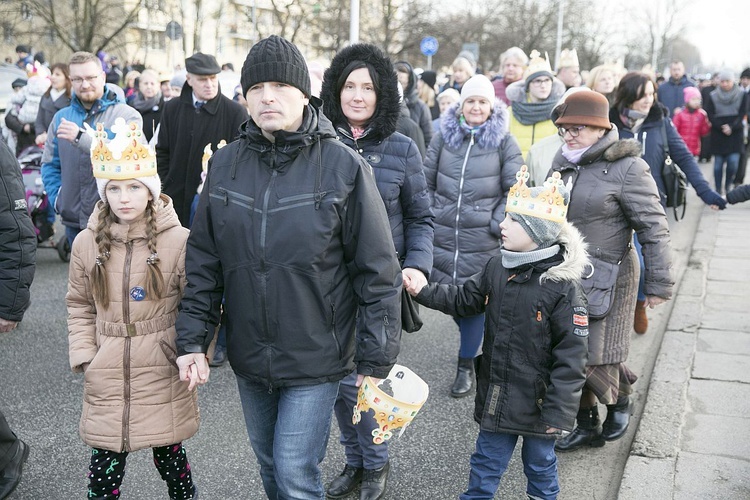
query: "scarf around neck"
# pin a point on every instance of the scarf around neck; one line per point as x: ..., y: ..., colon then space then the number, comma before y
x: 573, y: 155
x: 142, y: 104
x: 529, y: 113
x: 727, y: 103
x: 514, y: 260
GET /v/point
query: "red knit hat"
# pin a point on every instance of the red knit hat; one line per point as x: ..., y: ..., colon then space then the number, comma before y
x: 584, y: 108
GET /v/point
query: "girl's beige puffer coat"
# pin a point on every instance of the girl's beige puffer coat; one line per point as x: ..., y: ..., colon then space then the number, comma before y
x: 133, y: 397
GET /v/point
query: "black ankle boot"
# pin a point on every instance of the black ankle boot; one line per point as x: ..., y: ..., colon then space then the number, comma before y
x: 464, y: 378
x: 374, y: 482
x: 587, y: 433
x: 618, y: 418
x: 347, y: 482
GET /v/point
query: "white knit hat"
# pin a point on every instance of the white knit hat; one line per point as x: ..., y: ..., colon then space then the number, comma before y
x: 478, y: 86
x: 153, y: 183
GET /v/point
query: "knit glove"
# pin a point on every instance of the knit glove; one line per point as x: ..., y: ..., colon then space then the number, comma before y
x: 711, y: 197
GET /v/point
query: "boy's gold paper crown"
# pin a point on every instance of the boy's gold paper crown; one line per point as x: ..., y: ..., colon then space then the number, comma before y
x: 125, y: 156
x: 547, y: 202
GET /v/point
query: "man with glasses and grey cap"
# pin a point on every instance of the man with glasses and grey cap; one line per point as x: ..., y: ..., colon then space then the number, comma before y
x: 200, y: 115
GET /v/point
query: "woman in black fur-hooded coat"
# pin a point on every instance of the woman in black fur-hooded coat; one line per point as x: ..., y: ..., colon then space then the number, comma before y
x: 360, y: 97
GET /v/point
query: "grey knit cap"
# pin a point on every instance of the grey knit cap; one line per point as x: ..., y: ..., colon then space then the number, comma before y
x: 543, y: 232
x: 275, y: 59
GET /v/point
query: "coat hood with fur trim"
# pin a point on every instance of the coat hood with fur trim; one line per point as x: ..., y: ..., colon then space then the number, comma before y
x: 387, y: 110
x: 489, y: 135
x: 575, y: 258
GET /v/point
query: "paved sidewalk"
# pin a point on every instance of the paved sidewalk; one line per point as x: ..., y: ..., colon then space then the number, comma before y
x: 692, y: 440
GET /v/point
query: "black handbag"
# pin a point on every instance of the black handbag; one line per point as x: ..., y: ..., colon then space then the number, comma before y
x: 675, y: 180
x: 410, y: 320
x: 599, y: 285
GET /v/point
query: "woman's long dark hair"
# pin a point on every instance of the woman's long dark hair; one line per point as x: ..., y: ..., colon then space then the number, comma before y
x: 632, y: 87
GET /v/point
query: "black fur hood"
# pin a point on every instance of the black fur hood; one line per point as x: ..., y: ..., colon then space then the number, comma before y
x: 388, y: 108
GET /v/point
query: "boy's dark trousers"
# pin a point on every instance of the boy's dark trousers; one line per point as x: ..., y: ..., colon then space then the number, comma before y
x: 107, y: 470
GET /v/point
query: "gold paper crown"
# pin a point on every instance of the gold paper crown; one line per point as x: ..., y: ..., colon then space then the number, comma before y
x: 537, y: 64
x: 393, y: 411
x: 568, y: 58
x: 208, y: 153
x: 549, y: 203
x: 125, y: 156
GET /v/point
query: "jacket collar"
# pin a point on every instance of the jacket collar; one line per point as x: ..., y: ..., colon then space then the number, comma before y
x: 315, y: 126
x: 109, y: 98
x: 211, y: 106
x: 166, y: 218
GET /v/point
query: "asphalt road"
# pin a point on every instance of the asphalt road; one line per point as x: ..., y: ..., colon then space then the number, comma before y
x: 41, y: 398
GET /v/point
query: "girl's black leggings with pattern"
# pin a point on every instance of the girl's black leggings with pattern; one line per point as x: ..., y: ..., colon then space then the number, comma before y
x: 108, y: 468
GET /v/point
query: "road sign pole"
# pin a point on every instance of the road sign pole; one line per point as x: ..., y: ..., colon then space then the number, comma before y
x: 429, y: 63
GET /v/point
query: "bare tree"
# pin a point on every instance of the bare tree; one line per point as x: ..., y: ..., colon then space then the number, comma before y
x: 661, y: 23
x: 289, y: 16
x: 89, y: 25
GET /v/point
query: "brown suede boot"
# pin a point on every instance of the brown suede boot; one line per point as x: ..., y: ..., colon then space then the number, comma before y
x: 640, y: 323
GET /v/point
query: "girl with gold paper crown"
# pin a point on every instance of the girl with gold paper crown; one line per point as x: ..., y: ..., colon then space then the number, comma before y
x: 127, y: 273
x: 533, y: 362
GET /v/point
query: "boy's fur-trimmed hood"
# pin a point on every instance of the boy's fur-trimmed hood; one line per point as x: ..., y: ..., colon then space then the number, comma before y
x: 575, y: 257
x: 388, y: 108
x: 489, y: 136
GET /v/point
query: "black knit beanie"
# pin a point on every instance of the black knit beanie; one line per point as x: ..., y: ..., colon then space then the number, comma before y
x: 274, y: 59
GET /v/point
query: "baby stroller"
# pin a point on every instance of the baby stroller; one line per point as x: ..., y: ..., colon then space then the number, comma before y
x: 37, y: 202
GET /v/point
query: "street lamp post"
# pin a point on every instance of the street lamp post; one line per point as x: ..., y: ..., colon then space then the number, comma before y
x: 558, y: 44
x: 354, y: 22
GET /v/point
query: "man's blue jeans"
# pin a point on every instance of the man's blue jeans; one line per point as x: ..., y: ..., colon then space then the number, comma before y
x: 288, y: 429
x: 493, y: 452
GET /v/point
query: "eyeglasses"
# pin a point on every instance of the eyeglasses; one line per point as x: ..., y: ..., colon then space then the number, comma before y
x: 78, y: 80
x: 573, y: 131
x: 541, y: 81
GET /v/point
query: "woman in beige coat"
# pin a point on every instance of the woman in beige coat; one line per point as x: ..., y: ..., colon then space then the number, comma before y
x: 127, y: 274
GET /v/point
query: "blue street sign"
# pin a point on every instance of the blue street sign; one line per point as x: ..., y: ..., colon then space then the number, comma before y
x: 429, y: 46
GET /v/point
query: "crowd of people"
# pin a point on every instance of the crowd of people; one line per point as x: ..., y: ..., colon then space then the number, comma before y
x: 279, y: 223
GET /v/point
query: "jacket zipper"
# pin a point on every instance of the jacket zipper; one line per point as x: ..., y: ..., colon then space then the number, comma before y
x: 263, y: 227
x: 333, y: 329
x: 126, y: 350
x: 458, y: 206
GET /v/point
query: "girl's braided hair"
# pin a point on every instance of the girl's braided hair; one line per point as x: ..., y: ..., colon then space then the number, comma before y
x: 154, y: 278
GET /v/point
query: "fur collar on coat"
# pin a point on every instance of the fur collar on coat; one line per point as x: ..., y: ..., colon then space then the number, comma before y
x: 489, y: 136
x: 575, y: 258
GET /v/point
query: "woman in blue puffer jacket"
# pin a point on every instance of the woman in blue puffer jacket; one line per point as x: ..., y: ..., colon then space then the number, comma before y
x: 360, y: 97
x: 637, y: 114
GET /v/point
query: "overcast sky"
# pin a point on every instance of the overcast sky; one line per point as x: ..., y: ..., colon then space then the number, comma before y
x: 721, y: 30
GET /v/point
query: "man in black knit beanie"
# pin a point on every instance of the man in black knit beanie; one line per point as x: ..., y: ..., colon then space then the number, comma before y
x: 291, y: 229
